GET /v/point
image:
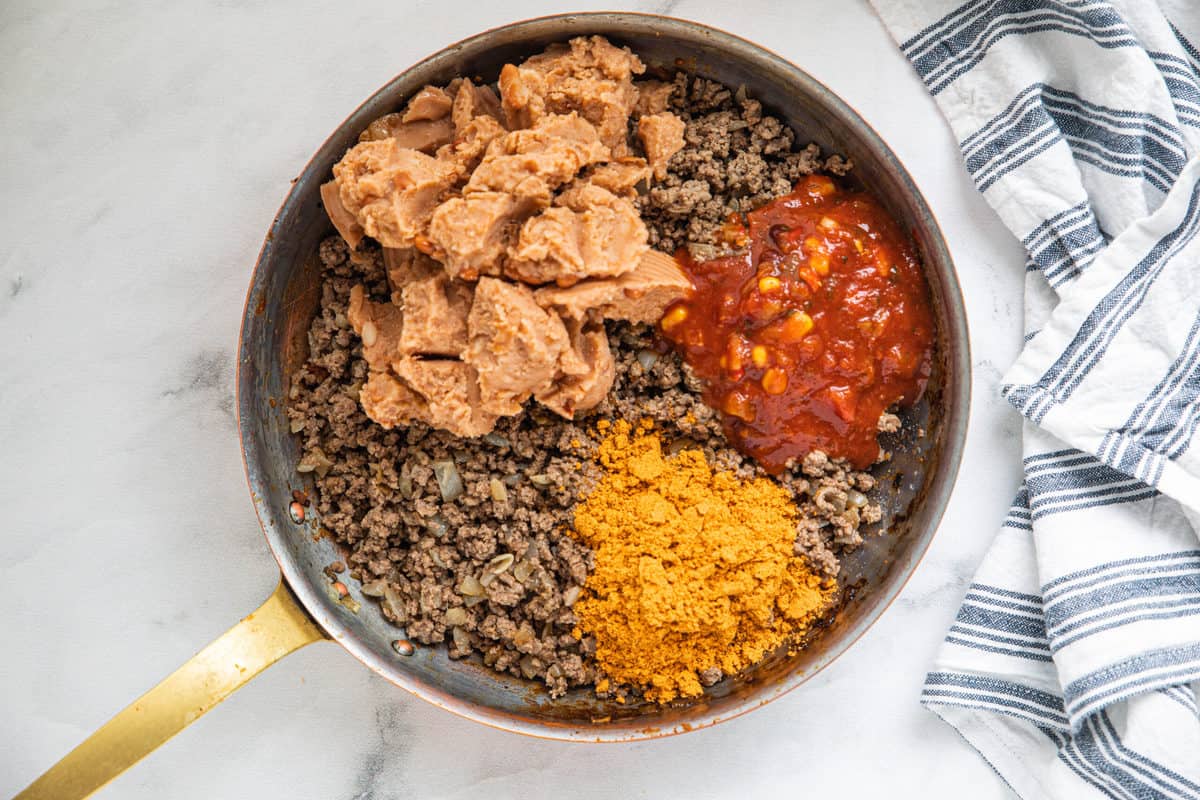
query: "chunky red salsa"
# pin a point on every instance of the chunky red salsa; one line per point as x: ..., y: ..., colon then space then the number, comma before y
x: 804, y: 339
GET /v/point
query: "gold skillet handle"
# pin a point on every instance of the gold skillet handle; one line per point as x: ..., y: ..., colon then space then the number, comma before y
x: 279, y: 626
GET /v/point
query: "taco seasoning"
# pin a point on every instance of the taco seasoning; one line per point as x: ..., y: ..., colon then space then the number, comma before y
x: 695, y: 570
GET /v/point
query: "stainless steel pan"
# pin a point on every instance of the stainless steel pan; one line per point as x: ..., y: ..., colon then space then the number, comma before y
x: 281, y: 302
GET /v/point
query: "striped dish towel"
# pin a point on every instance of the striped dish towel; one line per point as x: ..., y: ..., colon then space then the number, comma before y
x: 1074, y: 663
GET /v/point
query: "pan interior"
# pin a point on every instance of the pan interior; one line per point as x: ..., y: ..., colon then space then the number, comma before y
x: 283, y: 299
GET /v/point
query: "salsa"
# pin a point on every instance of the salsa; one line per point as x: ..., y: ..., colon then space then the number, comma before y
x: 806, y: 337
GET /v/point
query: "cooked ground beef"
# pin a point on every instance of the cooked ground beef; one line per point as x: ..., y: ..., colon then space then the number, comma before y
x: 494, y: 570
x: 734, y: 158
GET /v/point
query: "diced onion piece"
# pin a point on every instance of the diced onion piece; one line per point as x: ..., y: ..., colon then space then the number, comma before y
x: 530, y: 666
x: 449, y: 481
x: 522, y: 571
x: 393, y: 603
x: 370, y: 334
x: 315, y: 461
x: 500, y: 563
x: 374, y: 588
x: 647, y: 358
x: 437, y: 526
x: 471, y: 587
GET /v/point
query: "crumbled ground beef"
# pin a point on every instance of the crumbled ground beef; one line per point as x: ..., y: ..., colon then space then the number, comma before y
x: 734, y: 158
x: 494, y: 571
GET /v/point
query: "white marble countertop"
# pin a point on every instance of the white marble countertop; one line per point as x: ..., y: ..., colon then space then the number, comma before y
x: 146, y: 149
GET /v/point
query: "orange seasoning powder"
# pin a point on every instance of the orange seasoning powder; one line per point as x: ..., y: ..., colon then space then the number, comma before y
x: 694, y: 568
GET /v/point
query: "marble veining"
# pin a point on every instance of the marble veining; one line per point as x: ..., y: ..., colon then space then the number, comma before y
x: 207, y: 373
x: 147, y: 147
x: 373, y: 780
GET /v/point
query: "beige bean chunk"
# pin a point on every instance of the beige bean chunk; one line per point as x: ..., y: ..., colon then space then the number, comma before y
x: 662, y: 136
x: 341, y: 217
x: 472, y: 102
x: 426, y: 135
x: 640, y: 295
x: 593, y: 233
x: 428, y: 104
x: 588, y: 369
x: 435, y: 316
x: 514, y: 344
x: 392, y: 190
x: 529, y: 164
x: 472, y: 232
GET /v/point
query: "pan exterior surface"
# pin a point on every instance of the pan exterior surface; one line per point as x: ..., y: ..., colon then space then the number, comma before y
x: 283, y: 297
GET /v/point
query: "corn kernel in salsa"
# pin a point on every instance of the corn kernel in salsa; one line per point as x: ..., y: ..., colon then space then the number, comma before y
x: 804, y: 339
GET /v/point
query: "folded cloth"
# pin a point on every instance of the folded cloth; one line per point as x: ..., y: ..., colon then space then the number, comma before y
x: 1074, y: 661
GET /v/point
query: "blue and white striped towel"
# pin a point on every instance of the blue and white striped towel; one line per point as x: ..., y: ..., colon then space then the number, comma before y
x: 1074, y: 663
